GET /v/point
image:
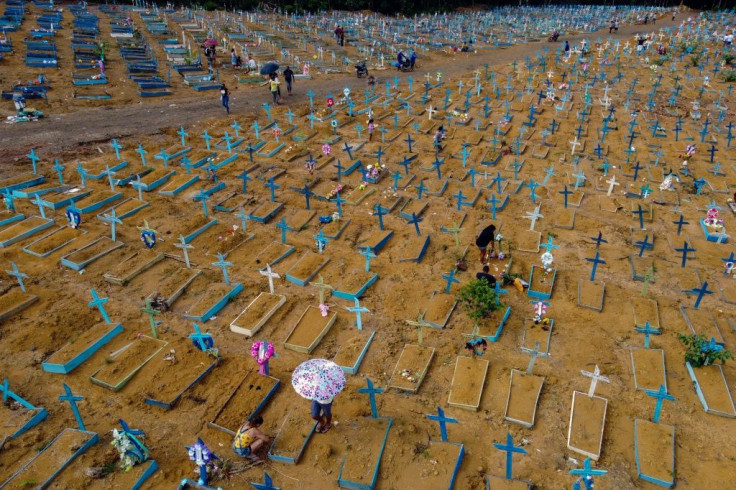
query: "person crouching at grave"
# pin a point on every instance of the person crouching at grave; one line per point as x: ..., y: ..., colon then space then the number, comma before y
x: 322, y: 413
x: 248, y: 439
x: 485, y: 239
x: 487, y: 276
x: 437, y: 141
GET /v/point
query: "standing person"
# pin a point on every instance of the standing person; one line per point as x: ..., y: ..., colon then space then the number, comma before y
x: 289, y: 78
x: 487, y: 237
x: 567, y: 48
x: 273, y: 85
x: 371, y: 128
x: 413, y: 58
x: 342, y: 37
x: 248, y: 439
x: 225, y: 98
x: 322, y: 413
x: 233, y: 58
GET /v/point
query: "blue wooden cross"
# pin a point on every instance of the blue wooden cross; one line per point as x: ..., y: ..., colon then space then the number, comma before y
x: 438, y: 162
x: 405, y: 163
x: 465, y: 154
x: 549, y: 172
x: 397, y: 177
x: 321, y: 239
x: 165, y: 157
x: 306, y: 193
x: 409, y: 141
x: 640, y: 212
x: 681, y: 221
x: 207, y: 139
x: 701, y: 291
x: 348, y: 149
x: 550, y: 245
x: 266, y: 485
x: 712, y: 152
x: 461, y: 200
x: 310, y: 96
x: 379, y: 154
x: 18, y: 275
x: 186, y: 162
x: 357, y: 309
x: 661, y: 395
x: 644, y: 245
x: 34, y: 160
x: 685, y: 251
x: 236, y: 127
x: 421, y: 188
x: 184, y: 246
x: 599, y: 240
x: 380, y: 211
x: 532, y: 187
x: 338, y: 202
x: 498, y: 180
x: 371, y: 392
x: 183, y: 135
x: 493, y: 202
x: 415, y: 220
x: 113, y: 220
x: 250, y: 151
x: 39, y: 202
x: 223, y: 264
x: 450, y: 278
x: 272, y: 187
x: 509, y: 449
x: 281, y: 225
x: 443, y: 421
x: 586, y: 474
x: 245, y: 178
x: 110, y: 174
x: 565, y: 193
x: 203, y: 196
x: 116, y: 146
x: 367, y: 252
x: 203, y: 341
x: 647, y: 331
x: 59, y: 169
x: 100, y: 304
x: 73, y: 399
x: 595, y: 260
x: 339, y: 168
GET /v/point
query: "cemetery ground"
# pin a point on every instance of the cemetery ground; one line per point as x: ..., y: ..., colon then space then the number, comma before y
x: 581, y: 338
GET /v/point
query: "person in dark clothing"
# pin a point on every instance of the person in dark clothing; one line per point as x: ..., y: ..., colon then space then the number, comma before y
x: 225, y: 97
x: 289, y: 77
x: 567, y: 47
x: 485, y: 275
x: 487, y: 237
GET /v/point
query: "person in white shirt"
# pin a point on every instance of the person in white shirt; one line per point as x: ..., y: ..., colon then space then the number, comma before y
x: 251, y: 63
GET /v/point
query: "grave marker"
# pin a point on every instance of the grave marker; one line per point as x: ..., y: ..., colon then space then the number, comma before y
x: 100, y: 304
x: 443, y: 421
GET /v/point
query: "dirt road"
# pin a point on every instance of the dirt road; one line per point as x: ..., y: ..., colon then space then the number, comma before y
x: 65, y: 133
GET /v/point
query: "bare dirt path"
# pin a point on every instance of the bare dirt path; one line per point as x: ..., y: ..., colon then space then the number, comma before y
x: 65, y: 132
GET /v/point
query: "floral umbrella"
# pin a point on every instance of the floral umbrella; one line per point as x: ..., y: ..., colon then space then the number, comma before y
x: 318, y: 379
x: 210, y: 42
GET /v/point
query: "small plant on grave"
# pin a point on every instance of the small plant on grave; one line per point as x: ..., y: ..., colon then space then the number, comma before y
x: 109, y: 360
x: 479, y: 299
x: 729, y: 58
x: 700, y: 352
x: 729, y: 76
x: 27, y: 483
x: 695, y: 60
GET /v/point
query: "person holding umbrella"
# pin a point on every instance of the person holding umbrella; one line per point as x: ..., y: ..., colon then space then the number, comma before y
x: 319, y: 380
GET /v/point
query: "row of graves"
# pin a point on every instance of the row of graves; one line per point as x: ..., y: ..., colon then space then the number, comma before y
x: 300, y: 231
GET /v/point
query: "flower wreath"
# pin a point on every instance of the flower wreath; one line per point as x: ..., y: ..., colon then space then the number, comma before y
x: 257, y: 347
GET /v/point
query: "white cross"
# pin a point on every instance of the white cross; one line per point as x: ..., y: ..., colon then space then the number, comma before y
x: 534, y: 216
x: 428, y: 76
x: 611, y: 183
x: 595, y: 376
x: 430, y: 112
x: 271, y: 276
x: 575, y: 143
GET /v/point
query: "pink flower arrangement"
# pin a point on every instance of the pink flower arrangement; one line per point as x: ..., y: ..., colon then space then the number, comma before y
x: 256, y: 347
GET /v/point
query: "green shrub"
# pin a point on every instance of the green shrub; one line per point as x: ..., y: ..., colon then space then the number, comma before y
x: 478, y: 298
x: 698, y: 353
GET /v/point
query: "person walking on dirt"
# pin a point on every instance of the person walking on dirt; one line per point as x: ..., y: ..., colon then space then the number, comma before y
x: 322, y: 413
x: 273, y: 85
x: 289, y: 78
x: 225, y: 98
